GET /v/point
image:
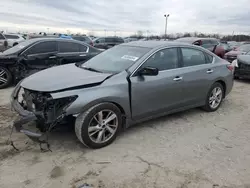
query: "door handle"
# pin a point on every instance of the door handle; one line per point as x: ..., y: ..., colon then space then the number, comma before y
x: 52, y: 57
x: 82, y: 55
x: 209, y: 71
x: 177, y: 78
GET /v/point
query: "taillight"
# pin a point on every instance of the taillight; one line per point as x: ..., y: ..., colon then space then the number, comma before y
x: 230, y: 67
x: 91, y: 43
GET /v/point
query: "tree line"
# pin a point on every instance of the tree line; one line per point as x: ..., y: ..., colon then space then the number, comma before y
x: 238, y: 38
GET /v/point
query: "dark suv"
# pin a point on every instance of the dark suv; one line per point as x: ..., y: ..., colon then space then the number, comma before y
x: 210, y: 44
x: 107, y: 42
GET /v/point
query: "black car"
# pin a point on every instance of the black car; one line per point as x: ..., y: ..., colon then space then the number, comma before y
x: 107, y: 42
x: 242, y: 67
x: 37, y: 54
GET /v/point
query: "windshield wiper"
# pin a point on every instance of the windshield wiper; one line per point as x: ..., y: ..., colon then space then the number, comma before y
x: 90, y: 69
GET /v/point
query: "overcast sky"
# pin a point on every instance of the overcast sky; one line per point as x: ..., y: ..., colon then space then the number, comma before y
x: 126, y: 16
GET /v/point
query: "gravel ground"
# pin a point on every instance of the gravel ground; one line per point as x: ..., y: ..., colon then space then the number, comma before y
x: 190, y: 149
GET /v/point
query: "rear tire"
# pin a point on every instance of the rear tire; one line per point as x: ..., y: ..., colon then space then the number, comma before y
x: 91, y: 130
x: 5, y: 77
x: 214, y: 97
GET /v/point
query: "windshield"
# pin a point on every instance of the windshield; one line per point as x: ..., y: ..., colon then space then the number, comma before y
x: 116, y: 59
x: 244, y: 48
x: 18, y: 47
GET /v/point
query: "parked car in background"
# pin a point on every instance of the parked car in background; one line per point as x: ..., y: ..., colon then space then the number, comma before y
x: 242, y: 66
x: 210, y: 44
x: 130, y: 39
x: 107, y: 42
x: 85, y: 39
x: 3, y: 43
x: 124, y: 85
x: 14, y: 39
x: 232, y: 55
x: 226, y: 47
x: 233, y: 44
x: 34, y: 55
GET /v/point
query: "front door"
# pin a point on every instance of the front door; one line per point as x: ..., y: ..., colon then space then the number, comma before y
x: 155, y: 94
x: 40, y: 56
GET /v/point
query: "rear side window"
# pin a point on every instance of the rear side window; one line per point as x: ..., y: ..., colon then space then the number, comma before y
x: 209, y: 58
x: 68, y: 47
x: 11, y: 36
x: 42, y: 47
x: 192, y: 57
x: 214, y: 42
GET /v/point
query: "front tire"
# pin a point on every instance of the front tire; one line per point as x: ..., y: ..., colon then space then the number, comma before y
x: 214, y: 97
x: 99, y: 125
x: 5, y: 77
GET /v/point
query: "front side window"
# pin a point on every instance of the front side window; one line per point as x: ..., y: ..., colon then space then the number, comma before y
x: 66, y: 47
x: 42, y: 47
x: 163, y: 60
x: 192, y: 57
x: 100, y: 40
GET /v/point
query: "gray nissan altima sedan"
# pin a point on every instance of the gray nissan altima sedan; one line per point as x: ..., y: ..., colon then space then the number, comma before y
x: 124, y: 85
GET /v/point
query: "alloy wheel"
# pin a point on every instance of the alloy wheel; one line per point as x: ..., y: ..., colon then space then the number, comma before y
x: 3, y: 76
x: 215, y: 97
x: 103, y: 126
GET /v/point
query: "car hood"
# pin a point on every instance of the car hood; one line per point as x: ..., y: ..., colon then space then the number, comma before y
x: 235, y: 53
x: 244, y: 59
x: 61, y: 78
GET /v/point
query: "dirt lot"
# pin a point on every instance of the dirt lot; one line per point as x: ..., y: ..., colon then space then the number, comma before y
x: 185, y: 150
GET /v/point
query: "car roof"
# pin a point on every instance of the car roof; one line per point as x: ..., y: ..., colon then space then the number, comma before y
x: 193, y: 39
x: 154, y: 44
x: 33, y: 40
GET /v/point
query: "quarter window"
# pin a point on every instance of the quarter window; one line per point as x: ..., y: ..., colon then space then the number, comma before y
x: 42, y: 47
x: 192, y: 57
x: 163, y: 60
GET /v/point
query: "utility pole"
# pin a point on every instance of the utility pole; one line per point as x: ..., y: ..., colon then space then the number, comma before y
x: 166, y: 25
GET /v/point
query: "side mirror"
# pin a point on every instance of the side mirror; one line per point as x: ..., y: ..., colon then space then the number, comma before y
x: 196, y: 43
x: 97, y: 42
x: 148, y: 71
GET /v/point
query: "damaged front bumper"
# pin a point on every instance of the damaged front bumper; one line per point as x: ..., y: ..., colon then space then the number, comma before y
x: 25, y: 117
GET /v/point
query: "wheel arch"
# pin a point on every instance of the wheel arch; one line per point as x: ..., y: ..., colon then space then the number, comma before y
x: 223, y: 83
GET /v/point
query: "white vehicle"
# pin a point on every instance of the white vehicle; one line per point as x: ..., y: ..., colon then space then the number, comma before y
x: 14, y: 39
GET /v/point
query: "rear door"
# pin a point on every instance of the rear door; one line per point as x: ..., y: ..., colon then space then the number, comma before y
x: 41, y: 55
x: 197, y: 73
x: 71, y: 52
x: 155, y: 94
